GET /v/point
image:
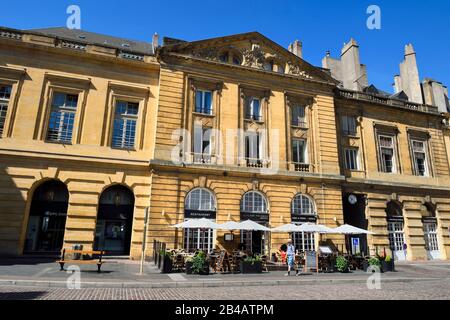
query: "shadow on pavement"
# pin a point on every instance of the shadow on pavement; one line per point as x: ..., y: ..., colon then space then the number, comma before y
x: 26, y: 261
x: 21, y: 295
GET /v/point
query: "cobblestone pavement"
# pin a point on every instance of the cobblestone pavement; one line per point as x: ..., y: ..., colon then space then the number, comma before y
x: 423, y: 290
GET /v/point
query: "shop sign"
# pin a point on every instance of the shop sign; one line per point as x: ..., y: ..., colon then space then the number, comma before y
x: 257, y: 217
x: 198, y: 214
x: 303, y: 218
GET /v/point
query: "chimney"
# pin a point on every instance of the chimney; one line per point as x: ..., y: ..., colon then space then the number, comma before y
x: 296, y: 48
x: 409, y: 76
x: 155, y: 41
x: 353, y: 72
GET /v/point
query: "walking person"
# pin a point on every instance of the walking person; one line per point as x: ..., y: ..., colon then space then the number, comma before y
x: 290, y: 252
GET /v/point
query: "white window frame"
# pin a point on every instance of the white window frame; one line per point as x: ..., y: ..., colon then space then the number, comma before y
x: 355, y: 156
x: 430, y: 230
x: 300, y: 119
x: 203, y: 107
x: 128, y: 120
x: 348, y: 125
x: 202, y: 152
x: 298, y: 204
x: 254, y: 207
x: 425, y: 154
x: 250, y: 112
x: 203, y: 238
x: 300, y: 142
x: 4, y: 105
x: 63, y: 111
x: 309, y: 241
x: 394, y: 156
x: 396, y: 232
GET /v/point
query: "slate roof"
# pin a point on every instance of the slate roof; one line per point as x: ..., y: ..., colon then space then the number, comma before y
x: 86, y: 37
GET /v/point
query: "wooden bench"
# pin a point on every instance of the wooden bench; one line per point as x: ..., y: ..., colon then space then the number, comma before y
x: 98, y: 261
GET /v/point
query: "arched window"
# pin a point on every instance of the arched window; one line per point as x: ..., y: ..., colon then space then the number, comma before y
x: 115, y: 220
x: 199, y: 203
x: 254, y: 202
x: 200, y: 199
x: 395, y: 224
x: 47, y: 219
x: 302, y: 205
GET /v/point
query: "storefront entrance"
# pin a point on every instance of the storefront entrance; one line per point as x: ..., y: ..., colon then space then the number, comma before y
x: 396, y: 225
x: 355, y: 215
x: 114, y: 221
x: 256, y: 242
x: 47, y: 220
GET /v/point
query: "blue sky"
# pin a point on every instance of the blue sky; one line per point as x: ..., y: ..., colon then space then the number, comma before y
x: 321, y: 25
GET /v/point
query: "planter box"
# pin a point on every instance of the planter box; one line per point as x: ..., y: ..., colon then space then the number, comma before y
x: 167, y: 265
x: 188, y: 266
x: 205, y: 270
x: 251, y: 268
x: 387, y: 266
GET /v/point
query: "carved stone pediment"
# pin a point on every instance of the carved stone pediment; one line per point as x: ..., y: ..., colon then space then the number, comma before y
x: 207, y: 53
x: 295, y: 70
x: 250, y: 50
x: 254, y: 57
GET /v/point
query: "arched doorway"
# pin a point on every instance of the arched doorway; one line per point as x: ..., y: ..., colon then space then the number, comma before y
x: 396, y: 225
x: 47, y: 220
x: 430, y: 228
x: 303, y: 211
x: 254, y: 207
x: 114, y: 221
x: 199, y: 203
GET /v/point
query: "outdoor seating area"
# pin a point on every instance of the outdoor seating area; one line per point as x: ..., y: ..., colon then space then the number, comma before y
x: 321, y: 258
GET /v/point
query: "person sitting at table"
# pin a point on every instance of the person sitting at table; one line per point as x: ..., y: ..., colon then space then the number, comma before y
x: 290, y: 252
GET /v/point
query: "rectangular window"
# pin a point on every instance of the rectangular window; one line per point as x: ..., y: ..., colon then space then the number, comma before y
x: 198, y: 239
x: 62, y: 117
x: 387, y: 154
x: 304, y: 244
x: 299, y: 151
x: 298, y: 116
x: 351, y: 159
x: 5, y: 95
x: 349, y: 125
x: 124, y: 130
x: 203, y: 102
x: 420, y: 157
x: 202, y: 145
x: 252, y: 147
x: 253, y: 109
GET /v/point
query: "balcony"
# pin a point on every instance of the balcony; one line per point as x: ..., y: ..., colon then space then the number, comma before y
x: 300, y: 167
x: 252, y: 117
x: 201, y: 158
x: 256, y: 163
x: 299, y: 124
x: 356, y: 95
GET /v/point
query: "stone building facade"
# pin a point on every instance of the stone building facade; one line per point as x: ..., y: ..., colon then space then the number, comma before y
x: 96, y: 129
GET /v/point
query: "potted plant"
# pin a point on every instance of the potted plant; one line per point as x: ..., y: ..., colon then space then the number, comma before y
x: 375, y: 262
x: 342, y: 264
x: 200, y: 264
x: 251, y: 265
x: 167, y: 264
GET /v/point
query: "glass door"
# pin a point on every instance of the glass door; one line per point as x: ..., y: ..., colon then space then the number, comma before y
x: 431, y: 240
x: 397, y: 240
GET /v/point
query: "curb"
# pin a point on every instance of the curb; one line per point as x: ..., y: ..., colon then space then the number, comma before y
x: 200, y: 284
